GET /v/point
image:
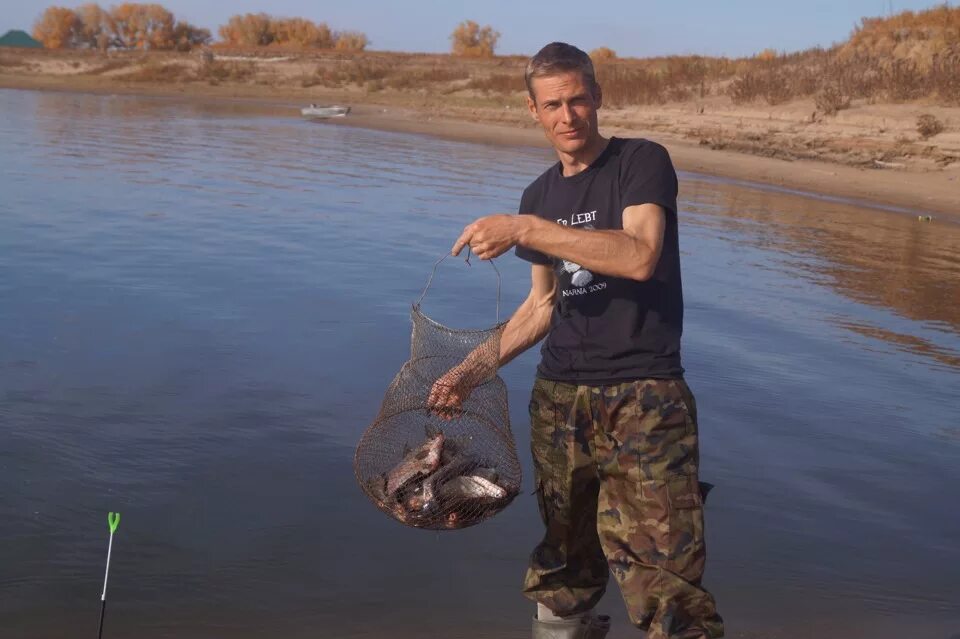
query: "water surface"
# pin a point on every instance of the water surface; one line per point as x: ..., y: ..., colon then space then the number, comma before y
x: 200, y: 308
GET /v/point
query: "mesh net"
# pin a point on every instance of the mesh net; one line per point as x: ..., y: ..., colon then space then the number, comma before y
x: 447, y: 471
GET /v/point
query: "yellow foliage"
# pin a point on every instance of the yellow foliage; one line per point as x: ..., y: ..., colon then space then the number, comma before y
x: 915, y: 36
x: 300, y: 32
x: 57, y: 28
x: 260, y: 29
x: 351, y: 41
x: 470, y: 40
x: 249, y: 29
x: 143, y: 26
x: 603, y: 54
x: 96, y: 26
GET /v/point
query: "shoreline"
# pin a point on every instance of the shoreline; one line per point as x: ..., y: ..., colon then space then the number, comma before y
x: 915, y: 193
x: 906, y: 190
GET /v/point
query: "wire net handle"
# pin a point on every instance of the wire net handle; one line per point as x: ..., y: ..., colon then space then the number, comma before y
x: 467, y: 260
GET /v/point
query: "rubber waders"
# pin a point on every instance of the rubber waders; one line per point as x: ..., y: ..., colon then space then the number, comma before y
x: 587, y: 627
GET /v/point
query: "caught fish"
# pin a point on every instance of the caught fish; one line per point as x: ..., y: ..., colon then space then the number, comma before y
x: 454, y: 448
x: 418, y: 463
x: 487, y: 473
x: 456, y: 467
x: 471, y: 487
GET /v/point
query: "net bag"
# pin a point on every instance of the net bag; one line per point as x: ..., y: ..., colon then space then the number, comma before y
x: 449, y: 471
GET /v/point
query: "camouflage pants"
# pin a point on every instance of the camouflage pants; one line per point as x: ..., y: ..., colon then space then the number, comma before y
x: 616, y: 473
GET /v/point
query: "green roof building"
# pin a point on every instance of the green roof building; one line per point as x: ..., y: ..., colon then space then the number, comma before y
x: 15, y: 38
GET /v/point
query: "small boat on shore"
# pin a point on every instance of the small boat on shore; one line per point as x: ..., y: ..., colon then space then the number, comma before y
x: 324, y: 111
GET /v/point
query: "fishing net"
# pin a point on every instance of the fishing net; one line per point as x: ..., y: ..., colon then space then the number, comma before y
x: 442, y: 471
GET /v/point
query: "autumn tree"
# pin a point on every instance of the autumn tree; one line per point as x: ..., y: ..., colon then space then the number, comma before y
x: 351, y: 41
x: 97, y: 28
x: 472, y: 40
x: 260, y: 29
x: 603, y: 54
x: 767, y: 55
x: 186, y: 36
x: 143, y: 26
x: 300, y: 32
x: 57, y: 28
x: 249, y: 29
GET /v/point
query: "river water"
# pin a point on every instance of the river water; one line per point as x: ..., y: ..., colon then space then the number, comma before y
x: 201, y: 307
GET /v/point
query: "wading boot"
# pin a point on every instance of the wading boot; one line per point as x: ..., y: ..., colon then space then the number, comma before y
x: 575, y: 628
x: 585, y: 627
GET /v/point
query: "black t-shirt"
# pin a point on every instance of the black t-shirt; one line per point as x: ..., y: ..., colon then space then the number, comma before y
x: 607, y: 330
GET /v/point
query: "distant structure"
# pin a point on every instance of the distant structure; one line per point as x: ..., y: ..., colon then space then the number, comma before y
x: 17, y: 38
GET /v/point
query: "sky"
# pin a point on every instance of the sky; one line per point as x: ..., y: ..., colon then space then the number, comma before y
x: 632, y: 28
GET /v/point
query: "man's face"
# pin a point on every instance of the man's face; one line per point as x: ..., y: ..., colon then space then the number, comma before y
x: 566, y: 107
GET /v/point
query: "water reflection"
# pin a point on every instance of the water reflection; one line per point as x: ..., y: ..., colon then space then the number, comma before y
x: 883, y: 259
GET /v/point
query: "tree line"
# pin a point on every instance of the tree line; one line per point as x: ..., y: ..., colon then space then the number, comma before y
x: 134, y: 25
x: 125, y: 26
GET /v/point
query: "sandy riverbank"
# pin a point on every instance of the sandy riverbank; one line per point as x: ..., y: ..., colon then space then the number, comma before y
x: 779, y: 147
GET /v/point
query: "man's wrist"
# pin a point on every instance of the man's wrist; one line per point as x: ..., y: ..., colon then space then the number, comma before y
x: 528, y: 224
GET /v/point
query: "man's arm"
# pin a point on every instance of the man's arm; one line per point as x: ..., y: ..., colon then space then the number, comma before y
x: 531, y: 321
x: 631, y: 253
x: 527, y: 326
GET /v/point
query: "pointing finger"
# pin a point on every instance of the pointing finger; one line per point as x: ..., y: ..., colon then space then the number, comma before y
x: 462, y: 241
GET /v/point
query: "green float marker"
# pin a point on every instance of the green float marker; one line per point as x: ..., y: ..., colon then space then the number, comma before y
x: 113, y: 520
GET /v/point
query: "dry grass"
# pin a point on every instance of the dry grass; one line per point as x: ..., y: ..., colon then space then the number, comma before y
x: 423, y: 78
x: 499, y: 83
x: 9, y: 61
x: 906, y: 57
x: 109, y: 65
x: 831, y: 99
x: 158, y: 71
x: 377, y: 73
x: 928, y: 126
x: 657, y: 80
x: 217, y: 71
x: 358, y: 72
x: 839, y: 79
x: 162, y: 70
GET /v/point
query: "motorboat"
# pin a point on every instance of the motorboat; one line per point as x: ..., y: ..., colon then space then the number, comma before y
x: 324, y: 111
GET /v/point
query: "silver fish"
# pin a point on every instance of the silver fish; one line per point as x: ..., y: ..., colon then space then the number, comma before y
x: 471, y: 487
x: 418, y: 463
x: 489, y: 474
x: 455, y: 467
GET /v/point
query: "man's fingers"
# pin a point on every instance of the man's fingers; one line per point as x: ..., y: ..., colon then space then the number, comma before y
x: 462, y: 241
x: 487, y: 252
x: 442, y: 398
x: 439, y: 397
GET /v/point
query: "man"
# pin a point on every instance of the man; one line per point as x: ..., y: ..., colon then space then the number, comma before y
x: 613, y: 424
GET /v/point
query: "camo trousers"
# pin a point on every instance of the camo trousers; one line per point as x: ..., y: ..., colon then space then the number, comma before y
x: 617, y: 487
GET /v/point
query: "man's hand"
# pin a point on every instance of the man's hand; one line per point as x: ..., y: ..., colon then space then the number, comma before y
x: 449, y: 392
x: 492, y: 236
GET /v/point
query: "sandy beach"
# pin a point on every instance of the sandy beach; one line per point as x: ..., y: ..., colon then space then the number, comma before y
x: 870, y: 153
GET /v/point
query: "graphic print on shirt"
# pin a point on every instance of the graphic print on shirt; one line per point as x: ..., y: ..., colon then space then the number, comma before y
x: 582, y: 281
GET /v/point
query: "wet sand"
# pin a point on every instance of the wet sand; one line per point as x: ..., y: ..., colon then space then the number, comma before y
x: 914, y: 192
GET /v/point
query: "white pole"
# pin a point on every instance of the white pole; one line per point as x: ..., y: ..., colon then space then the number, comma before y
x: 103, y: 596
x: 113, y: 520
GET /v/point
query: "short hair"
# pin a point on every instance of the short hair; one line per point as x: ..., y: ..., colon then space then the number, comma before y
x: 559, y: 57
